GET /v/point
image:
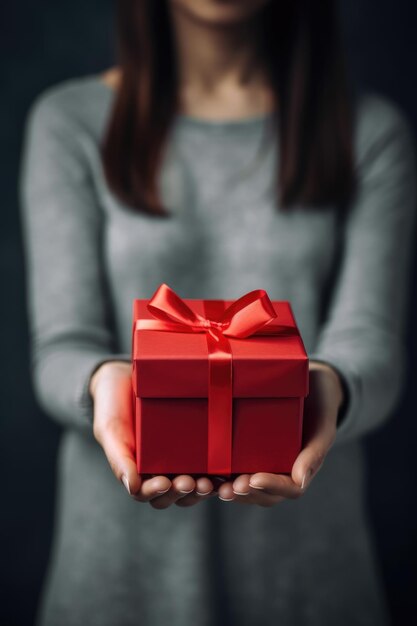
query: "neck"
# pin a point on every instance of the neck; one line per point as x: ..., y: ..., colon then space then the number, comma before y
x: 211, y: 56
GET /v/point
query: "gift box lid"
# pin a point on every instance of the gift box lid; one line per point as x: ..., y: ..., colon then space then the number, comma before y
x: 175, y: 365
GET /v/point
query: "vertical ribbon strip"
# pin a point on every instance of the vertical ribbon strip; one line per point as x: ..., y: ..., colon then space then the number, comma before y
x: 243, y: 318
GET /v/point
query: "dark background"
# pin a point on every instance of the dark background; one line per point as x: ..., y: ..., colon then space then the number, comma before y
x: 45, y: 42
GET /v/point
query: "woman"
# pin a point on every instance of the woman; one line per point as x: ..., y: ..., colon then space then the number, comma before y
x: 225, y: 153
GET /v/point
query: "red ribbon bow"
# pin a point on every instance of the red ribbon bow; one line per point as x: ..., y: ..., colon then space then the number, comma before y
x: 243, y: 318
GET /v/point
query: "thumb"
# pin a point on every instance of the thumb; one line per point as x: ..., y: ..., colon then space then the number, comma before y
x: 307, y: 464
x: 113, y: 425
x: 120, y: 455
x: 312, y: 457
x: 320, y: 419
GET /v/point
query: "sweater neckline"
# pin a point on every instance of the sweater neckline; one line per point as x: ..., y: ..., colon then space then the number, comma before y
x: 253, y: 121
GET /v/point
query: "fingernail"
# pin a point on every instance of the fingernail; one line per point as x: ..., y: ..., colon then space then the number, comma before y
x: 201, y: 493
x: 126, y: 483
x: 306, y: 478
x: 163, y: 490
x: 241, y: 493
x: 185, y: 492
x: 256, y: 486
x: 226, y: 499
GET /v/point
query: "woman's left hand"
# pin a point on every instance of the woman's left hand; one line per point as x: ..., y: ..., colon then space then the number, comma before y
x: 319, y: 430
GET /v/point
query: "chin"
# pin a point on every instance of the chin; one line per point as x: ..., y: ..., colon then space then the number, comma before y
x: 219, y: 12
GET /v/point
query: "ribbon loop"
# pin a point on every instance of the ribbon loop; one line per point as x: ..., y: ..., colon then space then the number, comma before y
x: 166, y: 305
x: 248, y: 314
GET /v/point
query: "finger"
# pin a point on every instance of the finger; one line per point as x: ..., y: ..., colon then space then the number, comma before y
x: 248, y: 495
x: 181, y: 486
x: 153, y: 488
x: 204, y: 489
x: 275, y: 484
x: 242, y: 490
x: 235, y: 489
x: 203, y: 486
x: 240, y: 485
x: 225, y: 491
x: 246, y: 485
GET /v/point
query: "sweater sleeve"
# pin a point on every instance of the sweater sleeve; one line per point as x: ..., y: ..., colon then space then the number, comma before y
x: 68, y: 310
x: 363, y: 336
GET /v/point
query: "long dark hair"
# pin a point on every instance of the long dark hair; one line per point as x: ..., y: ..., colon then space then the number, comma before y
x: 314, y: 119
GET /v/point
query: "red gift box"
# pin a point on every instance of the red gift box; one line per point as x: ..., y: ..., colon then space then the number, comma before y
x: 218, y: 386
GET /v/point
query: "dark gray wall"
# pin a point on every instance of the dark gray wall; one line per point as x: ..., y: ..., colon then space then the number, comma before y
x: 41, y: 44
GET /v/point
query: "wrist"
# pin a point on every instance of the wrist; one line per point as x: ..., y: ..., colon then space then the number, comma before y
x: 338, y: 393
x: 108, y: 368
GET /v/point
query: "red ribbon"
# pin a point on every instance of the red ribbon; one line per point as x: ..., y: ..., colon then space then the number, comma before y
x: 246, y: 316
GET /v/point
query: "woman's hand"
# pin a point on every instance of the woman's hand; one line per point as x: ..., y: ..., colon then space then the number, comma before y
x: 110, y: 388
x: 319, y: 431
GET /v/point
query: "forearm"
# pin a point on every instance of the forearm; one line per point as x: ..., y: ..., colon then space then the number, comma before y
x: 62, y: 383
x: 68, y: 302
x: 371, y: 367
x: 363, y: 334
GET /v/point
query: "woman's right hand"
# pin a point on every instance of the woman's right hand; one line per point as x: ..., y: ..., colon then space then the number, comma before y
x: 110, y: 388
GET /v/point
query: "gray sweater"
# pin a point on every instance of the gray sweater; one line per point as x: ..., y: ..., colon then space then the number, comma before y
x: 117, y: 562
